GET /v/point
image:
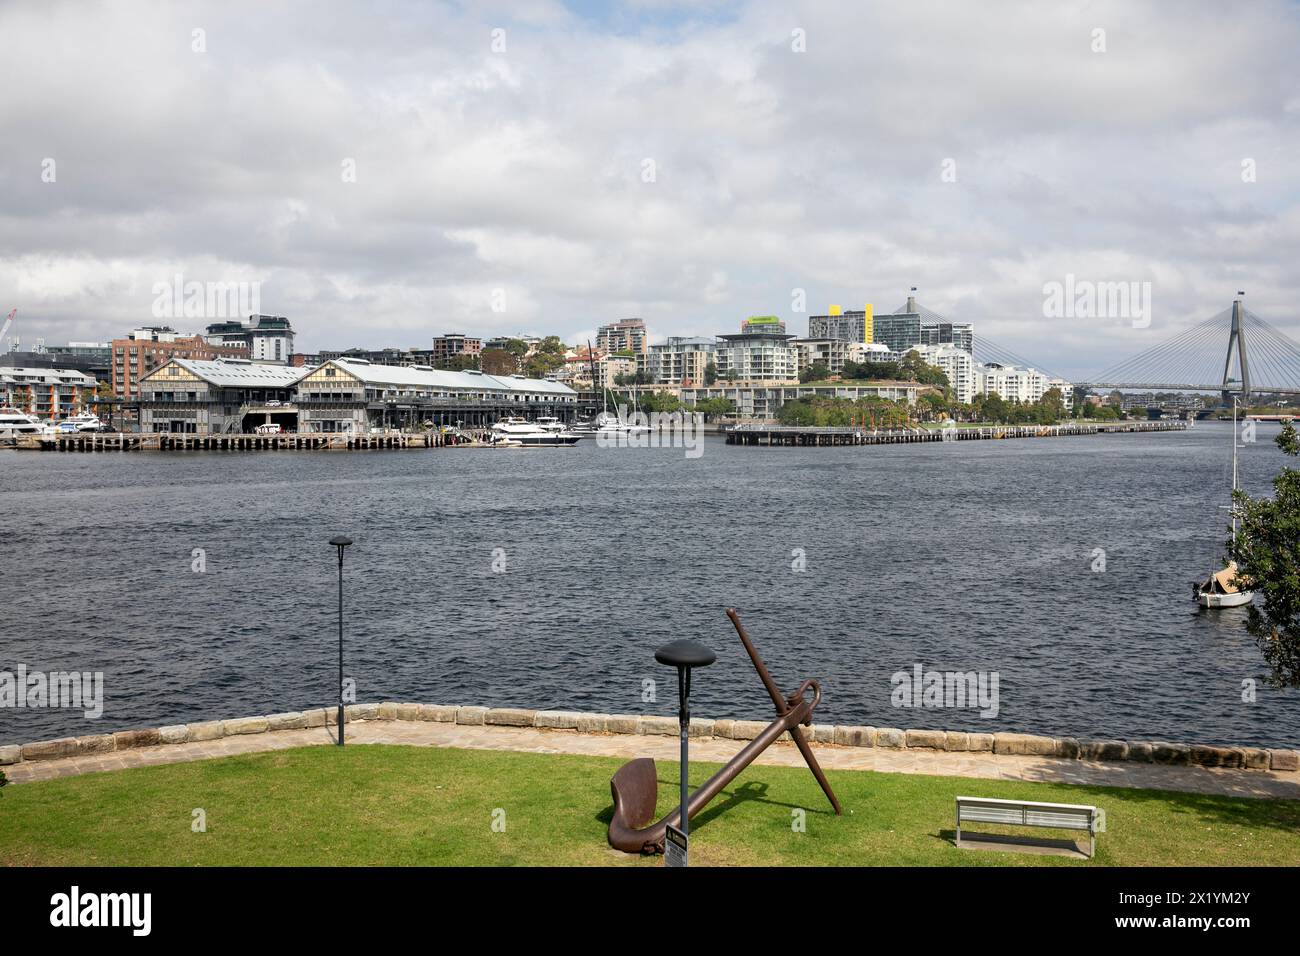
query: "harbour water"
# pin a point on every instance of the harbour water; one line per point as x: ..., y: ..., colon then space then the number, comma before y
x: 545, y: 578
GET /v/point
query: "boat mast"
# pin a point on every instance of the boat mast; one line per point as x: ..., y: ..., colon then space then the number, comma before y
x: 604, y: 392
x: 1234, y: 466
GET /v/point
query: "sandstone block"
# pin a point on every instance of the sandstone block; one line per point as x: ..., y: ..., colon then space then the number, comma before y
x: 174, y: 734
x: 50, y: 749
x: 557, y: 719
x: 292, y: 720
x: 890, y: 738
x: 247, y: 725
x: 924, y: 739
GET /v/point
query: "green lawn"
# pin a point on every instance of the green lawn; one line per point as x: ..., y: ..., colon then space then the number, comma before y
x: 416, y: 805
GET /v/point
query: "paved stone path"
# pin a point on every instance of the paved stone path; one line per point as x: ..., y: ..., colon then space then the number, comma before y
x: 983, y: 765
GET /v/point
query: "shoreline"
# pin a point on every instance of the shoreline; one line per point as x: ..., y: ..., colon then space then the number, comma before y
x: 90, y: 753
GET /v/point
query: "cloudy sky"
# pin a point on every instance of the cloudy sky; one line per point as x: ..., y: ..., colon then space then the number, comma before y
x: 691, y: 164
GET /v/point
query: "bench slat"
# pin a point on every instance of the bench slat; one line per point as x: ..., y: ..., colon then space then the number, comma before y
x: 992, y: 815
x: 1066, y: 821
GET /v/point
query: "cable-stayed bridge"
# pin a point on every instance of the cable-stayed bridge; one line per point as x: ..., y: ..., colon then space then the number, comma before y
x: 1234, y: 352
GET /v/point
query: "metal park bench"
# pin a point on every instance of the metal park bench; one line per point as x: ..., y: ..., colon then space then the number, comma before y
x: 1029, y: 813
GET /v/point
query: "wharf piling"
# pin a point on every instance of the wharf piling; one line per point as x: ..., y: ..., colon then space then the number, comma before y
x: 314, y: 441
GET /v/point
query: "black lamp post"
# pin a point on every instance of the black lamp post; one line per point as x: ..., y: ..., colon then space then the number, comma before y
x: 684, y: 655
x: 340, y: 542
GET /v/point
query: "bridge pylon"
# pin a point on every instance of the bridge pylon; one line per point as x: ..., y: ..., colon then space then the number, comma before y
x: 1237, y: 337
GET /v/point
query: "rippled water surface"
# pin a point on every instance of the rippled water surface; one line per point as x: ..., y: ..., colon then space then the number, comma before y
x: 963, y: 556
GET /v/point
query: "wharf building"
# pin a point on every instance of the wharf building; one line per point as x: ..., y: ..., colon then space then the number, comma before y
x: 146, y: 349
x: 341, y: 395
x: 216, y: 397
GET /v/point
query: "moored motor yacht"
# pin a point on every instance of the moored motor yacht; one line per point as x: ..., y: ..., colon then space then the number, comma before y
x: 534, y: 433
x: 15, y: 424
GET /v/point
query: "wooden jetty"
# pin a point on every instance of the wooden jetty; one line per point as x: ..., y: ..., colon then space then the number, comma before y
x: 306, y: 441
x: 792, y: 436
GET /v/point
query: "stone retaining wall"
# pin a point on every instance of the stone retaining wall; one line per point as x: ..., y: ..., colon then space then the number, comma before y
x: 1144, y: 751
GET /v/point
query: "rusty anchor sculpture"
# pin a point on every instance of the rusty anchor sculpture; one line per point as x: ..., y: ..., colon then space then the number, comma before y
x: 635, y: 786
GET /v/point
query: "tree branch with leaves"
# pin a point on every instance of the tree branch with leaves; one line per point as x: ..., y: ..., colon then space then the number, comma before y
x: 1267, y: 551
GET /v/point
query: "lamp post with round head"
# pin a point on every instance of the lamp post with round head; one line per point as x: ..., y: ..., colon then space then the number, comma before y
x: 684, y: 655
x: 340, y: 542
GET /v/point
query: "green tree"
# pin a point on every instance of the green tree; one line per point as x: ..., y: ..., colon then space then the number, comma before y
x: 1267, y: 551
x: 995, y: 408
x: 915, y: 369
x: 541, y: 363
x: 817, y: 372
x: 459, y: 362
x: 933, y: 404
x: 713, y: 408
x: 710, y: 373
x: 1051, y: 407
x: 660, y: 402
x: 497, y: 362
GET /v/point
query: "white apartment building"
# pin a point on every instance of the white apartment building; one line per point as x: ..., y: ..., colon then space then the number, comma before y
x: 872, y: 352
x: 832, y: 353
x: 1016, y: 384
x: 958, y: 364
x: 756, y: 357
x: 681, y: 360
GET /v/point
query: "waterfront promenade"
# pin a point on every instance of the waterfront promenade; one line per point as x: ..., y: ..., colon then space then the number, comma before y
x: 1263, y: 784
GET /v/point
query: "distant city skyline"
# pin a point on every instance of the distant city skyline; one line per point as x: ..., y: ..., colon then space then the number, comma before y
x: 558, y: 168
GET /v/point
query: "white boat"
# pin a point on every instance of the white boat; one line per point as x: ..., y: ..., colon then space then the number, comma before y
x: 608, y: 424
x: 84, y: 422
x: 1219, y: 590
x: 533, y: 433
x: 15, y: 425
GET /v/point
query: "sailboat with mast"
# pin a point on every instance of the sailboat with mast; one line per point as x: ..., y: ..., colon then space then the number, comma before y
x: 1223, y: 589
x: 607, y: 423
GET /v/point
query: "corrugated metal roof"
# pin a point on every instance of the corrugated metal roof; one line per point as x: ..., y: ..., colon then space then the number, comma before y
x: 422, y: 376
x: 233, y: 373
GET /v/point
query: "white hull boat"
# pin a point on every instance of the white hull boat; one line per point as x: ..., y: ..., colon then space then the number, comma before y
x: 1222, y: 589
x: 16, y: 425
x: 542, y: 433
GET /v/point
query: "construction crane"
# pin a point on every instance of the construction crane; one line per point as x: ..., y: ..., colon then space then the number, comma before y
x: 9, y: 320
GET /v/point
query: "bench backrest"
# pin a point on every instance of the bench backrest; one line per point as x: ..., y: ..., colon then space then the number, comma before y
x: 1066, y: 816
